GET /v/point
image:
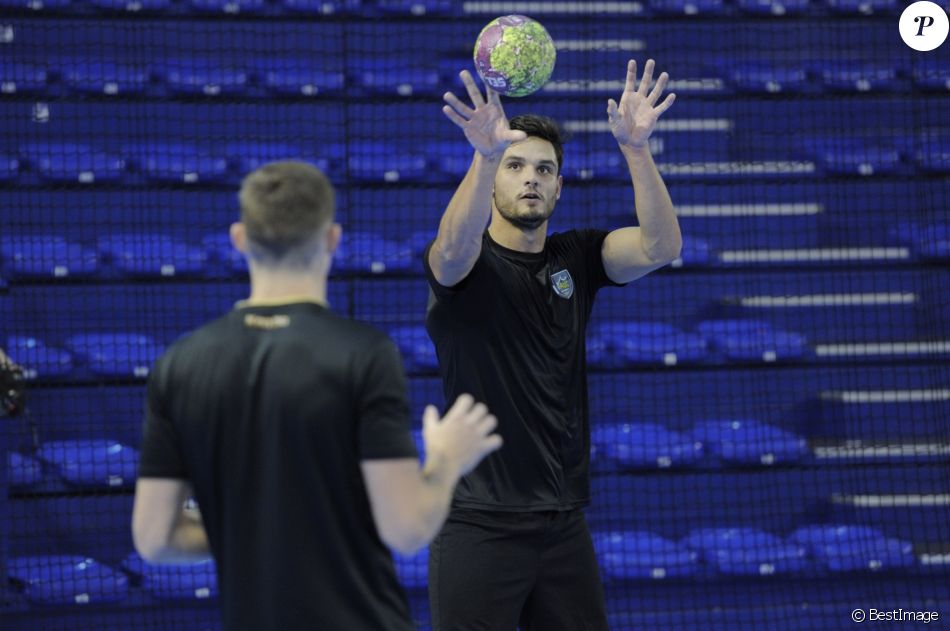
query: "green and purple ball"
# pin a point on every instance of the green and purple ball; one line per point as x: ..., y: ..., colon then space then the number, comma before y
x: 514, y: 55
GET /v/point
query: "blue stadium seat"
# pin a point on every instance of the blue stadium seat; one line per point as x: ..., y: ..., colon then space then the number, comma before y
x: 642, y: 446
x: 120, y: 355
x: 413, y: 571
x: 596, y: 164
x: 687, y: 7
x: 637, y: 555
x: 929, y: 241
x: 38, y: 360
x: 248, y: 155
x: 221, y: 251
x: 862, y: 7
x: 202, y: 77
x: 845, y: 76
x: 132, y: 6
x: 752, y: 340
x: 417, y: 349
x: 195, y: 581
x: 695, y: 252
x: 931, y: 74
x: 635, y: 343
x: 749, y: 442
x: 746, y: 551
x: 228, y: 6
x: 451, y: 157
x: 46, y: 256
x: 380, y: 162
x: 66, y: 580
x: 415, y: 7
x: 933, y: 153
x: 300, y: 77
x: 153, y: 255
x: 22, y: 78
x: 101, y: 77
x: 178, y: 163
x: 369, y: 252
x: 23, y: 471
x: 758, y: 77
x: 396, y: 78
x: 848, y: 548
x: 35, y: 5
x: 322, y: 7
x: 73, y: 162
x: 773, y: 7
x: 9, y: 167
x: 92, y: 463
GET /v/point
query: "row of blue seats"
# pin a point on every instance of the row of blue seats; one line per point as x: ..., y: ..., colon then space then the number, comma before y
x: 706, y: 553
x: 57, y: 580
x: 102, y: 463
x: 389, y: 163
x: 610, y: 345
x: 301, y: 77
x: 449, y: 8
x: 158, y: 255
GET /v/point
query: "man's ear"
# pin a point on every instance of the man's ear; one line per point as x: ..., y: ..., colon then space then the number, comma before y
x: 238, y: 233
x: 334, y: 234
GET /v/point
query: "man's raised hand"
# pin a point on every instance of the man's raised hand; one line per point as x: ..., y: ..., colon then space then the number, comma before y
x: 485, y: 124
x: 633, y: 120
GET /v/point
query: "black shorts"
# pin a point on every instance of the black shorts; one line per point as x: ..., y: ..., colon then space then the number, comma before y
x: 495, y: 571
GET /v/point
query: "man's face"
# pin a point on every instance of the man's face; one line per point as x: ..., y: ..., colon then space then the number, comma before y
x: 527, y: 183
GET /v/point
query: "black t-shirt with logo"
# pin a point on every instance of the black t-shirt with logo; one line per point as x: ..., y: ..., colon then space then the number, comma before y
x: 511, y: 333
x: 268, y: 412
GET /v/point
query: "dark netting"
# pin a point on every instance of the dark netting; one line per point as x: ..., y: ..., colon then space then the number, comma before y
x: 770, y: 417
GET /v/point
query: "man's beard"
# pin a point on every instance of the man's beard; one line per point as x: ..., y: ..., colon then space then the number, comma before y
x: 524, y: 223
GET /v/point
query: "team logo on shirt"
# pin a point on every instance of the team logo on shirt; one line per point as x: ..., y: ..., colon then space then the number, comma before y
x: 563, y: 284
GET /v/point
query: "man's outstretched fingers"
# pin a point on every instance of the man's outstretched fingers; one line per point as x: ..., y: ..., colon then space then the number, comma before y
x: 473, y: 92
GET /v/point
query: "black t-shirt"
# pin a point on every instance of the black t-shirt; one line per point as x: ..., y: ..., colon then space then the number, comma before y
x: 511, y: 333
x: 268, y: 412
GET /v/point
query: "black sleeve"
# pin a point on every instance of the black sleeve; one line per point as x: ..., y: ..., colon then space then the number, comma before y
x: 440, y: 291
x: 592, y: 243
x: 161, y: 455
x: 384, y: 406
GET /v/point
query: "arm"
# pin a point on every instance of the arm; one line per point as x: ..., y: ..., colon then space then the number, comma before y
x: 410, y: 504
x: 162, y: 530
x: 459, y: 239
x: 629, y: 253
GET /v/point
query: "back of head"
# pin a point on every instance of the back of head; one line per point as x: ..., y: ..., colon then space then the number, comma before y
x: 284, y: 207
x: 544, y: 128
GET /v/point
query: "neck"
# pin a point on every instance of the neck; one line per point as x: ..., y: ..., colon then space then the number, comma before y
x: 508, y: 235
x: 279, y: 285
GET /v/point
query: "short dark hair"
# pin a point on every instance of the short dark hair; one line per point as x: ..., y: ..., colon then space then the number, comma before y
x: 544, y: 128
x: 283, y: 206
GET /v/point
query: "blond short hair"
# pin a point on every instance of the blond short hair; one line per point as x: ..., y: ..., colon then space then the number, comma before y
x: 284, y: 206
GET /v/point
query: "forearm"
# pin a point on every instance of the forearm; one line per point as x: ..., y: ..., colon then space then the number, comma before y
x: 187, y: 542
x: 659, y: 228
x: 434, y: 499
x: 469, y: 210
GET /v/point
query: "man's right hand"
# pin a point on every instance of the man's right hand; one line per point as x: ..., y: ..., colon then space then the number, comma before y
x: 485, y: 126
x: 460, y: 440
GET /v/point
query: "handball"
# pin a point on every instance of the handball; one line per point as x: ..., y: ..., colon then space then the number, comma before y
x: 514, y: 55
